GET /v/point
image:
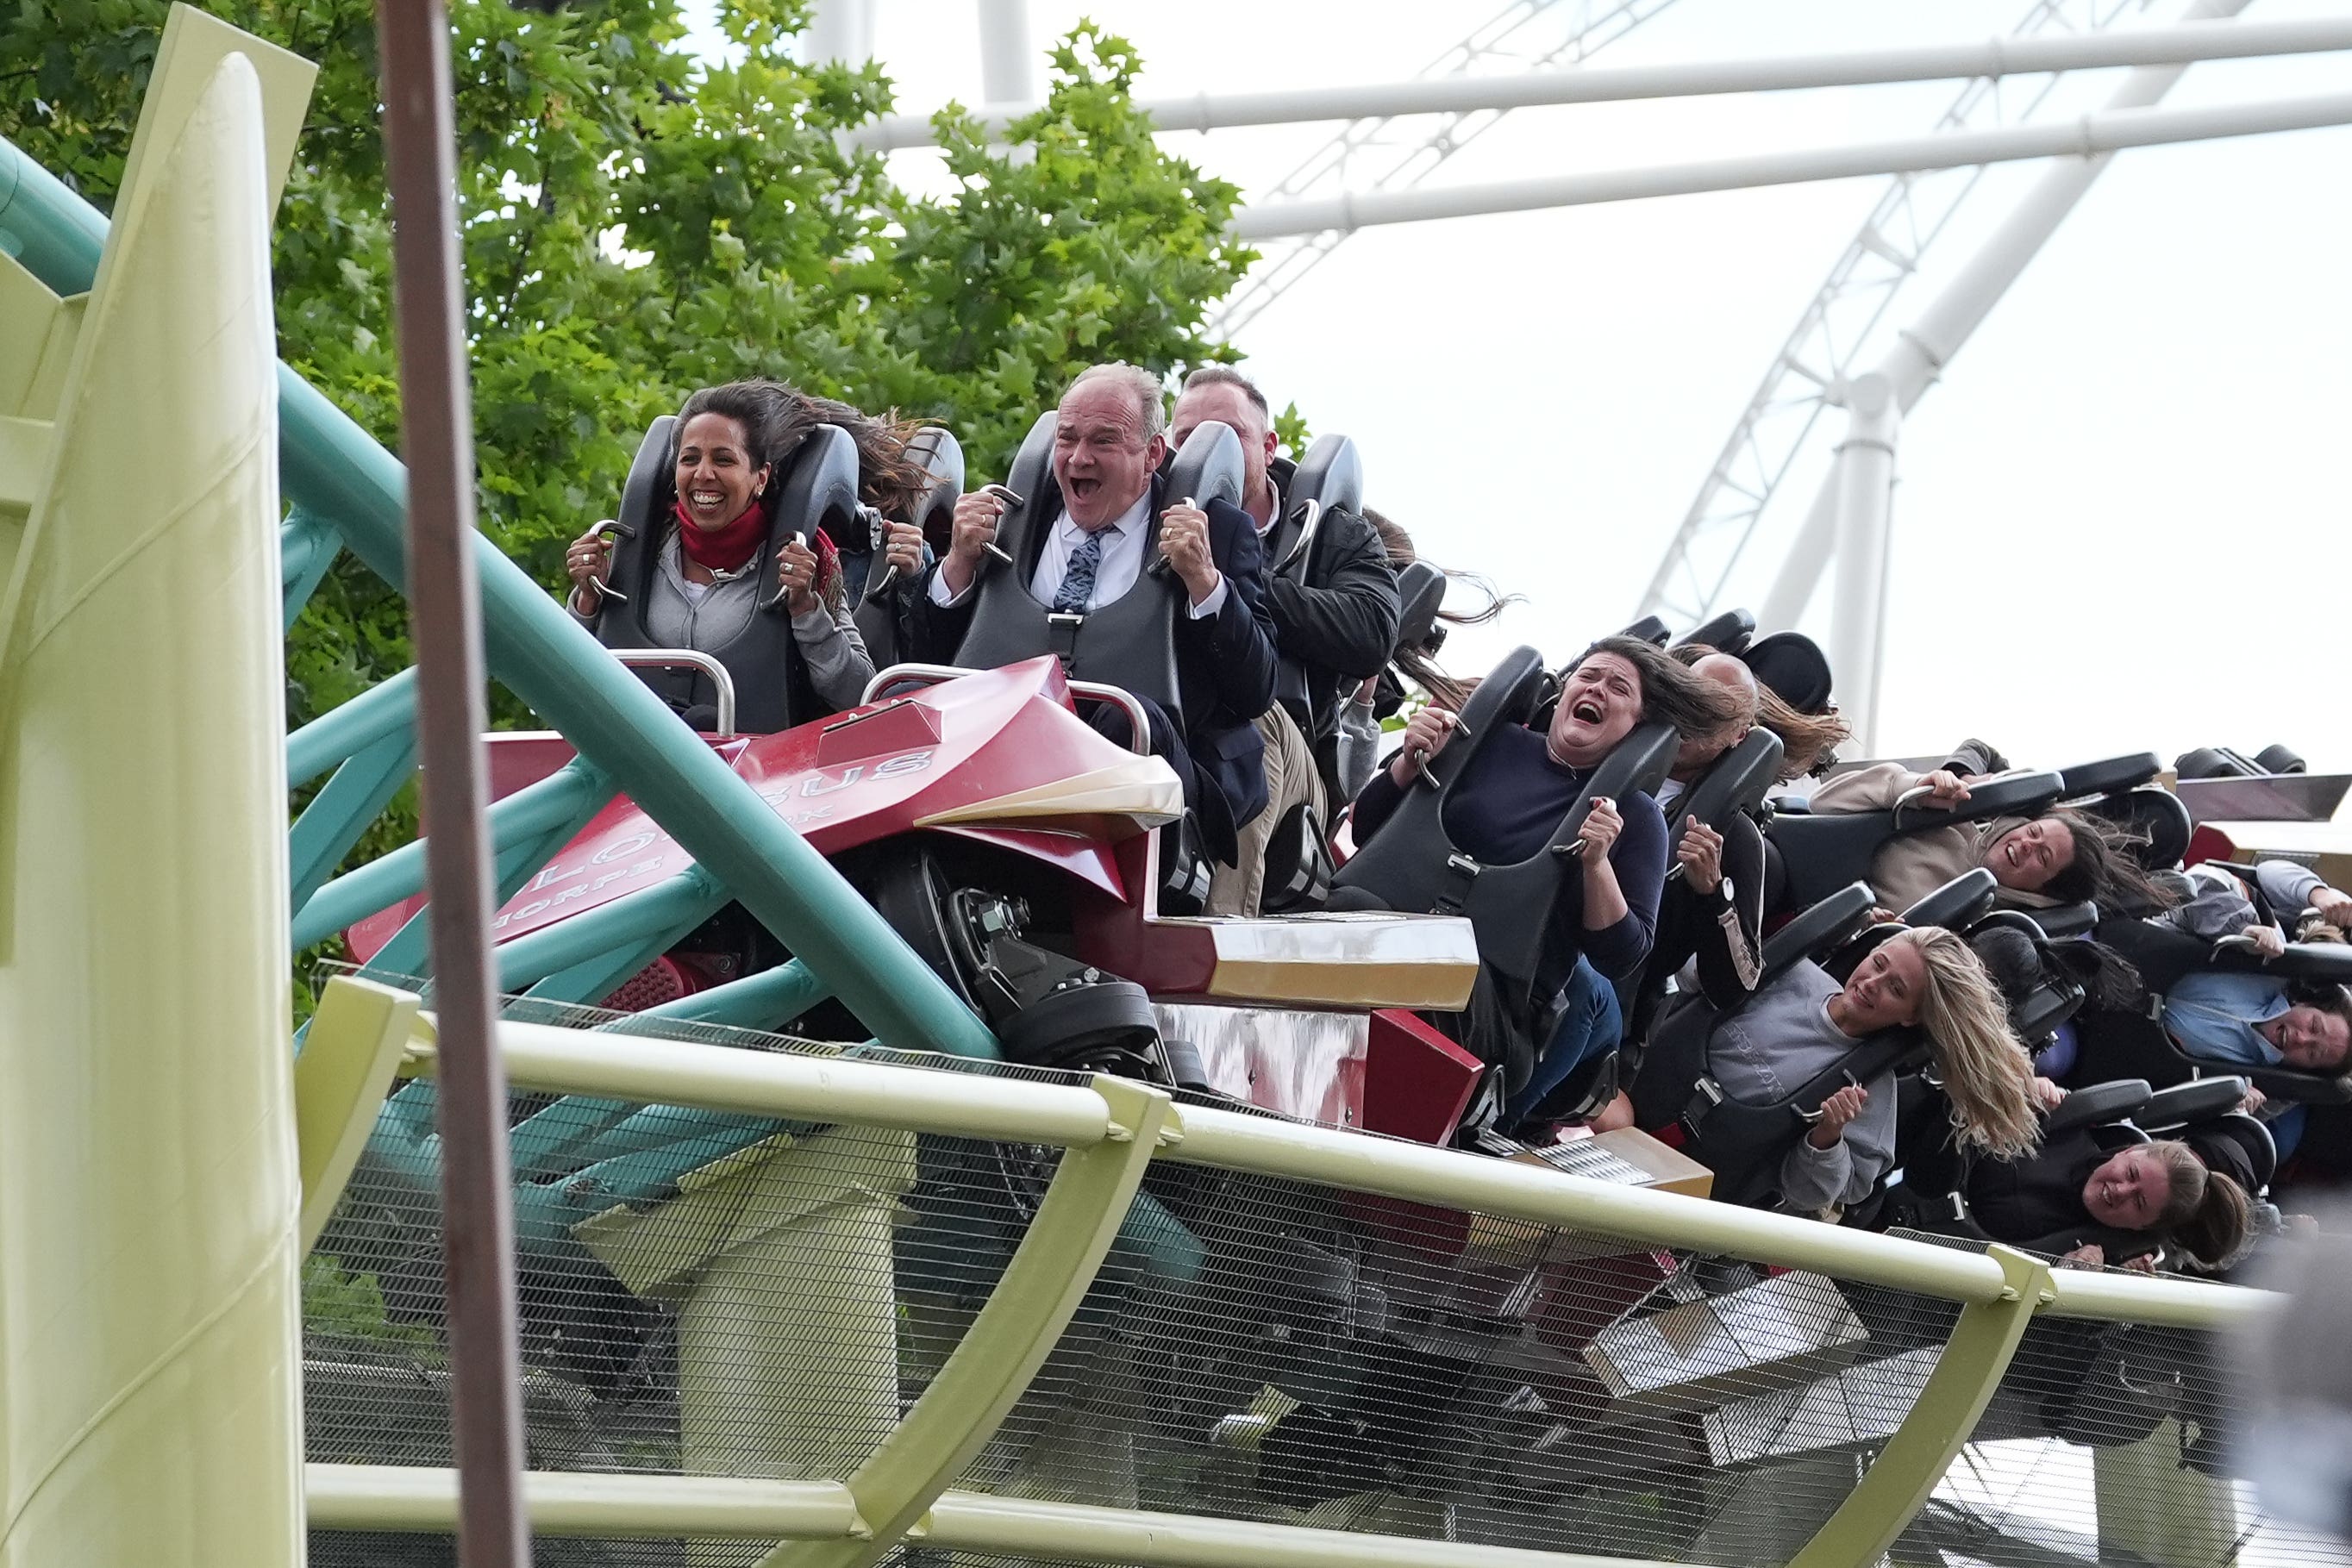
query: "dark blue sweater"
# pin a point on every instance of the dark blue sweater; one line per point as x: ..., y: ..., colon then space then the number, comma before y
x: 1509, y: 802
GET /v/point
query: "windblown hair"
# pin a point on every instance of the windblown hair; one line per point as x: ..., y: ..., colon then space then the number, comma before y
x: 777, y: 418
x: 1987, y: 1075
x: 1416, y: 663
x: 2103, y: 868
x: 1695, y: 707
x: 2206, y: 1212
x: 1138, y: 384
x: 1805, y: 737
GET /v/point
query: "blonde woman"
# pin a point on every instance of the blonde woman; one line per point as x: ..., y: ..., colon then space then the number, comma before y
x: 1804, y: 1024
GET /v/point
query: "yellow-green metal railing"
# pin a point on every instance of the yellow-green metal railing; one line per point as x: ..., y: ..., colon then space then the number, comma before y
x: 1114, y: 1129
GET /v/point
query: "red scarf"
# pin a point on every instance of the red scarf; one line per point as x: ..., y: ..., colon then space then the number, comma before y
x: 727, y: 549
x: 723, y: 549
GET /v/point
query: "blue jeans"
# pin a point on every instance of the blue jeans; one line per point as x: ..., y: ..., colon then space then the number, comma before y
x: 1590, y: 1023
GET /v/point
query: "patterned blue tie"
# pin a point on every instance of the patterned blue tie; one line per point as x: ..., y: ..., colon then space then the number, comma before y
x: 1078, y: 576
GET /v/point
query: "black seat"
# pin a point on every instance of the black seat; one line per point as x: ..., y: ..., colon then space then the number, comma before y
x: 2216, y: 762
x: 2156, y: 814
x: 1649, y: 629
x: 1958, y: 905
x: 1734, y: 784
x: 2123, y: 1100
x: 2246, y: 1136
x: 2111, y: 776
x: 940, y: 456
x: 1825, y: 850
x: 1329, y: 478
x: 817, y: 488
x: 1413, y: 865
x: 1794, y: 666
x: 2185, y: 1105
x: 1420, y: 594
x: 1129, y: 643
x: 1725, y: 634
x: 2281, y: 759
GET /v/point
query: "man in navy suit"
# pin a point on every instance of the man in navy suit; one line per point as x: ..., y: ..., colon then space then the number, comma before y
x: 1110, y: 436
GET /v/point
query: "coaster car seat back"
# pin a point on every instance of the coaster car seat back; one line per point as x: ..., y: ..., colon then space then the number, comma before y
x: 1958, y: 905
x: 1129, y: 643
x: 940, y: 456
x: 1729, y: 633
x: 817, y: 486
x: 1675, y: 1059
x: 1420, y: 594
x: 1824, y: 850
x: 1329, y: 478
x: 1735, y: 785
x: 1414, y: 865
x: 2154, y: 813
x: 2110, y: 776
x: 1794, y: 666
x: 1649, y: 629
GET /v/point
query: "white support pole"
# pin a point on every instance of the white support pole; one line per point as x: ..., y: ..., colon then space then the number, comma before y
x: 1941, y: 330
x: 1863, y: 483
x: 1008, y: 93
x: 1007, y: 64
x: 2089, y: 138
x: 841, y: 31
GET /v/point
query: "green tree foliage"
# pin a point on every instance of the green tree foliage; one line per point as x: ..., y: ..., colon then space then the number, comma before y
x: 639, y: 223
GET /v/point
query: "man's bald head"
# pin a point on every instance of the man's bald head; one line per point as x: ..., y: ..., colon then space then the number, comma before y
x: 1725, y: 670
x: 1697, y: 752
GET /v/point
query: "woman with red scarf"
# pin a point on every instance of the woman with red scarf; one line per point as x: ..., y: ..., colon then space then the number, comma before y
x: 703, y: 594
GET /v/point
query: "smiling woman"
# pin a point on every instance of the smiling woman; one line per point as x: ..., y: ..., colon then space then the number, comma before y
x: 2074, y: 1198
x: 707, y: 590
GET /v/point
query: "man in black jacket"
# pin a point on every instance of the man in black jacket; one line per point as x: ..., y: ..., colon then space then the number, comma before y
x: 1335, y: 617
x: 1108, y: 446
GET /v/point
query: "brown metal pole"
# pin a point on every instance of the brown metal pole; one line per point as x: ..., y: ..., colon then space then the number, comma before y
x: 437, y: 442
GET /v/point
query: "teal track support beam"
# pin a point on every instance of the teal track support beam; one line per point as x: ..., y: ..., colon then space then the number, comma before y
x: 767, y: 1001
x: 306, y: 548
x: 590, y: 954
x: 344, y: 732
x: 328, y: 467
x: 338, y: 814
x: 521, y: 825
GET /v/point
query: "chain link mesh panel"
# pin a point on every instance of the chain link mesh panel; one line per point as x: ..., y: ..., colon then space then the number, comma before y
x: 721, y: 1295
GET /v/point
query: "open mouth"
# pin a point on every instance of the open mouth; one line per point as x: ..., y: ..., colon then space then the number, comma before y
x: 1586, y: 711
x: 1080, y: 490
x: 706, y: 501
x: 2009, y: 850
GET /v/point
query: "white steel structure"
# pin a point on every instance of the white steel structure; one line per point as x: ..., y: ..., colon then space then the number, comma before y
x: 2086, y: 137
x: 1825, y: 348
x: 1378, y: 154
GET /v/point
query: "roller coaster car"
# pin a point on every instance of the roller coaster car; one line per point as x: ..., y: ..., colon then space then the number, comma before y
x: 1014, y: 847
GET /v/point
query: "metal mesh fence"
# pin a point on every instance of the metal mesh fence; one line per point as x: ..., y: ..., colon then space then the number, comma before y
x: 717, y: 1294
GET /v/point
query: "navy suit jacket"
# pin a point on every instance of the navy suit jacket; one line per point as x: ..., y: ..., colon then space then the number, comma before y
x: 1224, y: 671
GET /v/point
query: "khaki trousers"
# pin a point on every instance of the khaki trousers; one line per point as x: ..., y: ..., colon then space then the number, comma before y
x: 1290, y: 777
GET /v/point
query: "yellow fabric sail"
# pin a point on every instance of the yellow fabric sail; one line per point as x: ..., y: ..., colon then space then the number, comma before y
x: 148, y: 1264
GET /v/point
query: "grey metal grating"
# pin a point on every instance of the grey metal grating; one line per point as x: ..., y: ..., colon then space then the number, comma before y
x: 1253, y: 1348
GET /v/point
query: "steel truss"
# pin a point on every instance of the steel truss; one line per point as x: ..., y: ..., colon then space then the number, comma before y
x: 1838, y: 326
x: 1390, y: 154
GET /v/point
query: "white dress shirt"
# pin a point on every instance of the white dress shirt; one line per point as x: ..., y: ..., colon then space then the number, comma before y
x: 1123, y: 552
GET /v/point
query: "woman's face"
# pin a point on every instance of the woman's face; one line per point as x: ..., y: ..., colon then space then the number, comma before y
x: 2129, y: 1189
x: 715, y: 476
x: 1599, y: 706
x: 2026, y: 859
x: 1885, y: 989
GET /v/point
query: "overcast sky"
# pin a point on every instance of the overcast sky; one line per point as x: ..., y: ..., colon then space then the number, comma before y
x: 2119, y: 524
